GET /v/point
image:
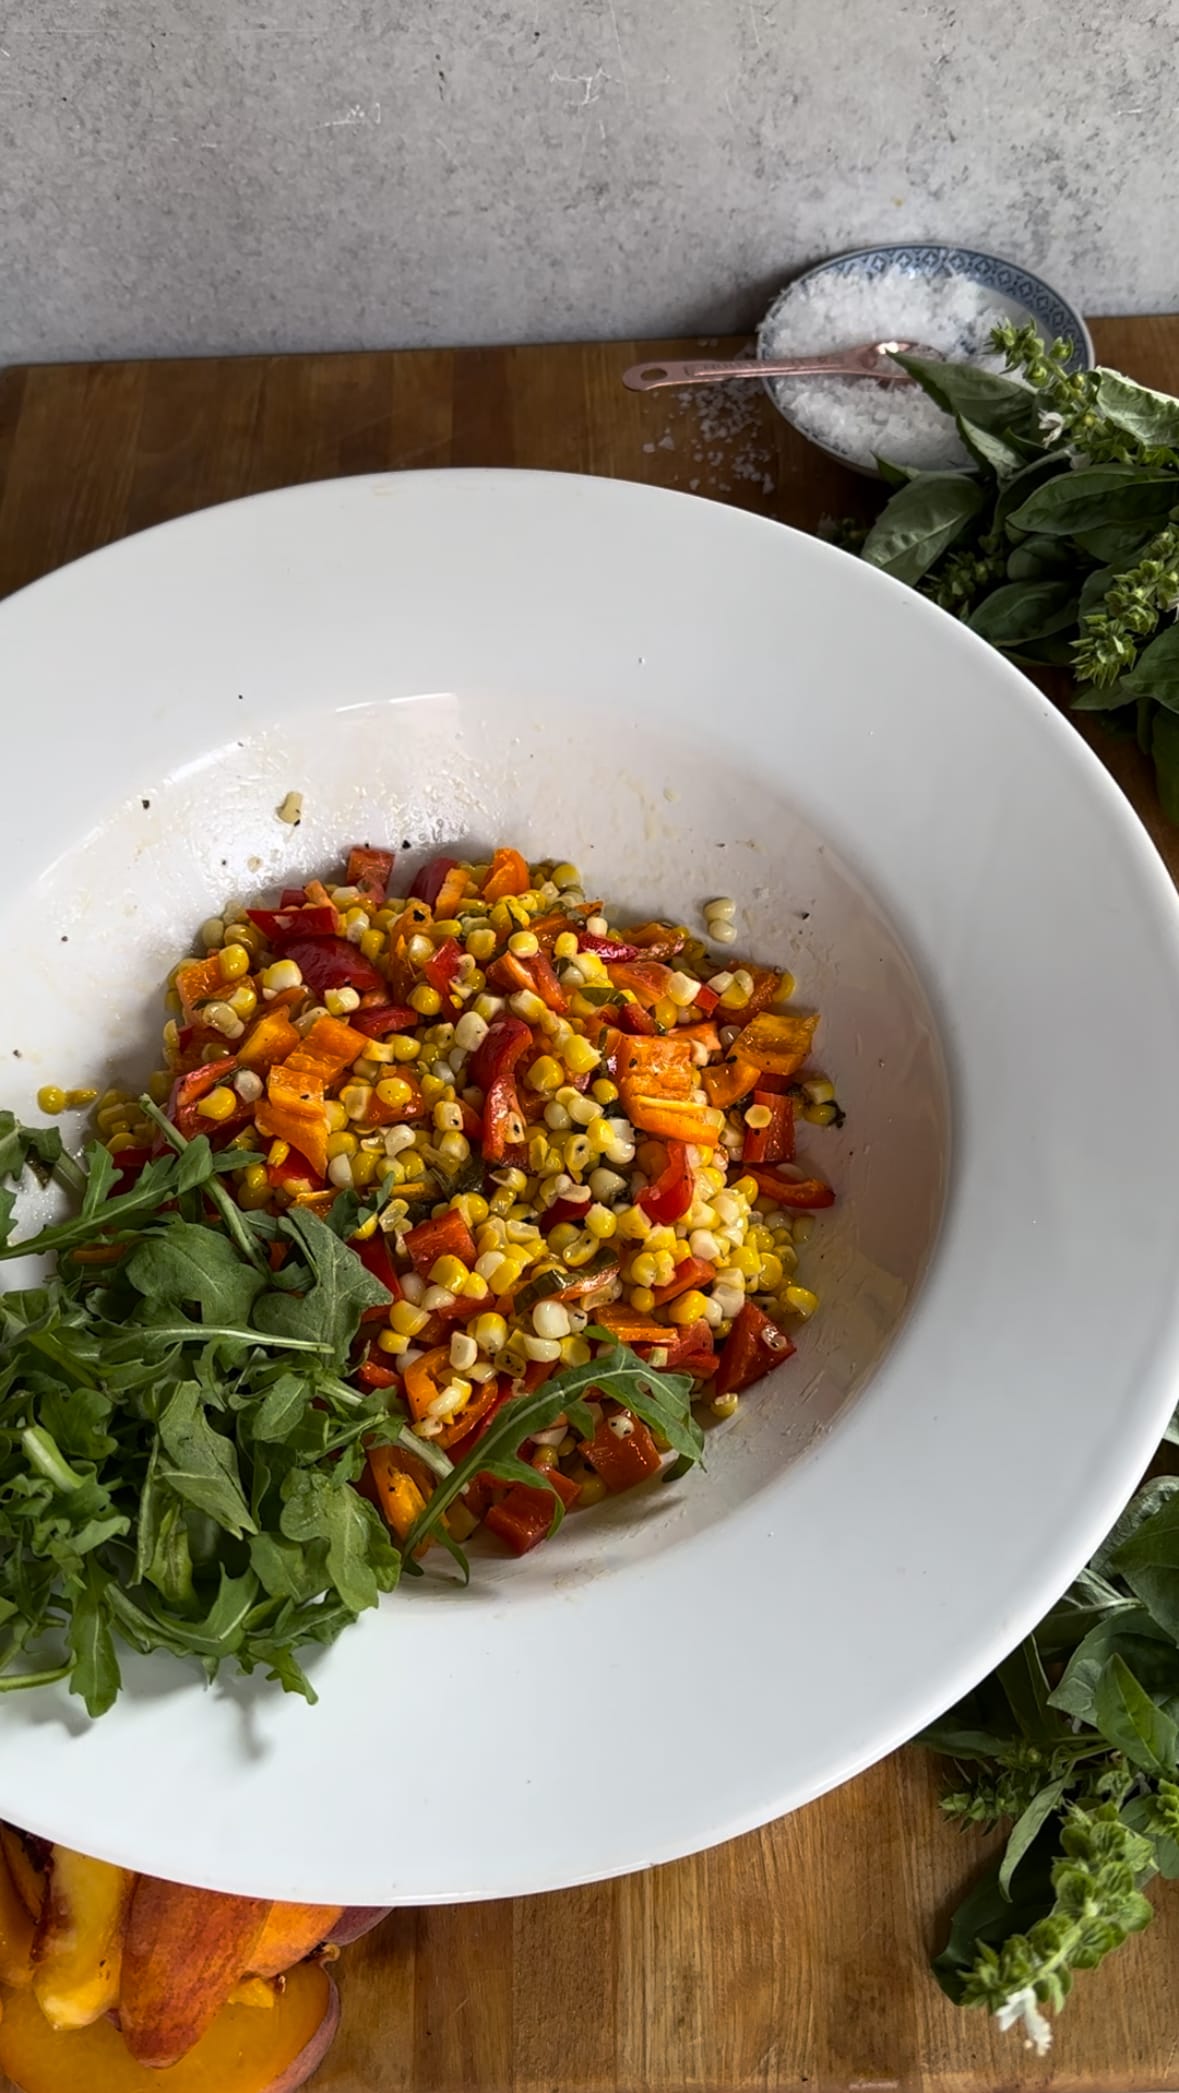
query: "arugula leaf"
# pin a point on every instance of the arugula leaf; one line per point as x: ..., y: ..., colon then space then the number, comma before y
x: 188, y: 1263
x: 95, y: 1675
x: 317, y: 1508
x: 37, y: 1146
x: 201, y: 1464
x: 341, y: 1289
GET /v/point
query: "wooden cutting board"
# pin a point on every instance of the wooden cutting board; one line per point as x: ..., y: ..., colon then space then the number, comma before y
x: 796, y: 1957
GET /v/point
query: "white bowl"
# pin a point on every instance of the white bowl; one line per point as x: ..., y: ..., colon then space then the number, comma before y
x: 686, y: 700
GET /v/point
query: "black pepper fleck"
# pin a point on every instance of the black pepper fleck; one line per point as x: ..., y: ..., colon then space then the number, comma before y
x: 145, y: 804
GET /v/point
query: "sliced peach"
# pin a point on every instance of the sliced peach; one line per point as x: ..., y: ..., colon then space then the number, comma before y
x: 78, y: 1949
x: 290, y: 1933
x: 28, y: 1877
x: 184, y: 1951
x: 16, y: 1932
x: 243, y: 2051
x: 254, y: 1991
x: 355, y: 1921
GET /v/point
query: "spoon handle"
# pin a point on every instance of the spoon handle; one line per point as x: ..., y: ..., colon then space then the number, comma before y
x: 839, y: 363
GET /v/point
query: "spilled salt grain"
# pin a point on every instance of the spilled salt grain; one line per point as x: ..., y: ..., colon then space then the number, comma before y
x: 856, y: 418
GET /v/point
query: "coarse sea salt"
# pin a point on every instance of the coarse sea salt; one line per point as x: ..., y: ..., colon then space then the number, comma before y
x: 860, y: 420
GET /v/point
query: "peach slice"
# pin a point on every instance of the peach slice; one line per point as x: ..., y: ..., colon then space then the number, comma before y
x: 355, y: 1921
x: 28, y: 1877
x: 184, y: 1951
x: 78, y: 1948
x: 290, y: 1933
x: 242, y: 2051
x: 16, y: 1932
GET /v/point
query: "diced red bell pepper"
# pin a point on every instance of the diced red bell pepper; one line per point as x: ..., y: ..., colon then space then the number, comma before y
x: 128, y: 1164
x: 382, y: 1018
x: 689, y: 1350
x: 773, y: 1143
x: 470, y: 1425
x: 512, y: 974
x: 280, y: 925
x: 633, y: 1018
x: 670, y: 1196
x: 752, y: 1349
x: 294, y: 1171
x: 371, y: 871
x: 567, y: 1209
x: 525, y: 1516
x: 607, y: 948
x: 706, y: 1000
x: 767, y: 982
x: 491, y: 1068
x: 806, y: 1193
x: 431, y: 880
x: 376, y: 1257
x: 442, y: 1235
x: 187, y: 1092
x: 371, y: 1374
x: 623, y: 1452
x: 694, y: 1271
x: 442, y: 970
x: 332, y: 962
x: 293, y: 897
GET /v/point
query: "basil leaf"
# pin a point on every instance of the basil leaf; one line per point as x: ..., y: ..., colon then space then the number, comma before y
x: 1025, y: 1684
x: 1095, y: 496
x: 1129, y: 1631
x: 988, y: 1916
x: 1024, y: 610
x: 1027, y: 1828
x: 1115, y: 544
x: 1143, y: 1506
x: 1015, y: 491
x: 1151, y: 418
x: 1133, y: 1723
x: 920, y: 523
x: 999, y: 407
x: 1092, y: 698
x: 1155, y: 674
x: 1037, y: 558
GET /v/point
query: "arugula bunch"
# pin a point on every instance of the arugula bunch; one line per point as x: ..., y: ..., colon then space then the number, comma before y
x: 1076, y: 1739
x: 178, y: 1441
x: 1061, y: 545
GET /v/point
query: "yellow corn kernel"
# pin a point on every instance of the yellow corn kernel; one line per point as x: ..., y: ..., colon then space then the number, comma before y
x: 580, y: 1252
x: 220, y: 1104
x: 278, y: 1152
x: 412, y: 1165
x: 509, y: 1274
x: 372, y: 943
x: 601, y: 1223
x: 234, y: 960
x: 481, y: 943
x: 425, y: 999
x: 158, y: 1087
x: 561, y: 1236
x: 643, y: 1270
x: 575, y: 1352
x: 747, y: 1187
x: 254, y: 1189
x: 665, y: 1013
x: 642, y: 1298
x: 604, y: 1090
x: 490, y: 1332
x: 406, y: 1047
x: 688, y: 1308
x: 51, y: 1099
x: 172, y: 1003
x: 538, y: 1149
x: 771, y: 1274
x: 434, y: 1089
x: 785, y: 989
x: 524, y: 944
x: 364, y: 1168
x: 758, y: 1116
x: 244, y: 1001
x: 339, y: 1002
x: 355, y: 1098
x: 566, y: 875
x: 367, y: 1228
x: 393, y: 1341
x: 283, y: 974
x: 819, y: 1115
x: 546, y: 1074
x: 475, y: 1287
x: 565, y: 946
x: 801, y: 1300
x: 580, y: 1057
x: 725, y: 1405
x: 341, y: 1144
x: 449, y: 1272
x: 403, y: 1316
x: 662, y: 1239
x: 633, y: 1224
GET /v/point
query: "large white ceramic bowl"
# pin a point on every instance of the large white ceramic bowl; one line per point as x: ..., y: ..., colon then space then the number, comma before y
x: 686, y: 701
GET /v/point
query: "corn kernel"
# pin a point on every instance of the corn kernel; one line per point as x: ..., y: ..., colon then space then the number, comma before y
x: 341, y: 1144
x: 801, y: 1300
x: 406, y: 1047
x: 278, y: 1152
x: 524, y: 944
x: 235, y: 961
x: 393, y: 1341
x: 601, y: 1223
x: 771, y: 1275
x: 633, y: 1224
x: 819, y: 1115
x: 725, y: 1405
x: 604, y: 1090
x: 282, y: 975
x: 158, y: 1087
x: 406, y: 1318
x: 364, y: 1168
x: 244, y: 1001
x: 490, y: 1332
x: 475, y: 1287
x: 575, y: 1351
x: 643, y: 1270
x: 691, y: 1307
x: 425, y: 1000
x: 224, y: 1019
x: 642, y: 1299
x: 449, y: 1272
x: 546, y: 1074
x: 220, y: 1104
x: 339, y: 1001
x: 395, y: 1092
x: 51, y: 1099
x: 565, y: 946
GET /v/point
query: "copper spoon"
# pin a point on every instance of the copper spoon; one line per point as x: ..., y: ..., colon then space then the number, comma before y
x: 866, y: 360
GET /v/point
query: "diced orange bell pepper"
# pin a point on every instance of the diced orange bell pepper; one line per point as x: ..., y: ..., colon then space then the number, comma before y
x: 425, y: 1379
x: 806, y: 1193
x: 270, y: 1039
x: 443, y: 1235
x: 777, y: 1041
x: 508, y: 875
x: 692, y: 1271
x: 674, y: 1119
x: 378, y: 1113
x: 629, y: 1326
x: 293, y: 1110
x: 525, y: 1516
x: 202, y: 982
x: 398, y: 1495
x: 753, y: 1347
x: 703, y: 1035
x: 767, y: 985
x: 623, y: 1452
x: 729, y: 1083
x: 456, y: 884
x: 328, y: 1049
x: 773, y: 1143
x: 646, y: 979
x: 660, y: 1066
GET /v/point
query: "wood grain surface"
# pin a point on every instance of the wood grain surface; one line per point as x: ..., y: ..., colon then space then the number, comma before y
x: 796, y: 1957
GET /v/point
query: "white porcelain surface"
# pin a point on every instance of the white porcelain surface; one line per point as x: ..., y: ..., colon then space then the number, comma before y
x: 688, y: 701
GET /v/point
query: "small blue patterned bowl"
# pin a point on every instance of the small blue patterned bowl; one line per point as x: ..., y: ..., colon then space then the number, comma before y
x: 1010, y: 290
